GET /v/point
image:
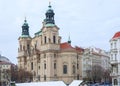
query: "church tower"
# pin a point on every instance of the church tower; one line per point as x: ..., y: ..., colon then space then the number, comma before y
x: 50, y: 36
x: 24, y: 45
x: 50, y: 46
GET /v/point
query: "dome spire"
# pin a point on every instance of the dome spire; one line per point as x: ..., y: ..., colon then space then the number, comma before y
x: 49, y: 4
x: 25, y: 29
x: 49, y: 21
x: 69, y: 40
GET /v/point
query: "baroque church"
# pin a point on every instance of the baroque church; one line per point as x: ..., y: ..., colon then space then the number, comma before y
x: 45, y: 56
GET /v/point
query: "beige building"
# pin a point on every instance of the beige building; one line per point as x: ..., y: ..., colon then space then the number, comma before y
x: 5, y: 74
x: 94, y: 56
x: 45, y: 56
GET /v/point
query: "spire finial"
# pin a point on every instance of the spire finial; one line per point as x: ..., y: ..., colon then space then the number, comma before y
x: 25, y: 19
x: 49, y: 4
x: 69, y: 41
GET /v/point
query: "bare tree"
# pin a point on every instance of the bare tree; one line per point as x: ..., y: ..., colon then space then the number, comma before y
x: 21, y: 75
x: 95, y: 74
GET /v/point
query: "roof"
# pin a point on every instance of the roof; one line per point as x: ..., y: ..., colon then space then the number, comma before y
x: 116, y: 35
x: 79, y: 49
x: 5, y: 63
x: 65, y: 46
x: 3, y: 58
x: 51, y: 83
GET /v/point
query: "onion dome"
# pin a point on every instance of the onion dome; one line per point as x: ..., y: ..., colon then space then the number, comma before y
x: 49, y: 21
x: 25, y: 29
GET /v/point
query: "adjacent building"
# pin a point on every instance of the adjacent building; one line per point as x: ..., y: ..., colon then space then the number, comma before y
x: 45, y: 56
x: 5, y: 71
x: 94, y: 57
x: 115, y: 59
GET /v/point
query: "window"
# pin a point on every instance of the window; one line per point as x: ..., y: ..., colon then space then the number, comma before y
x: 73, y: 69
x: 20, y: 47
x: 44, y: 55
x: 54, y: 39
x: 77, y: 66
x: 115, y: 45
x: 45, y: 40
x: 44, y: 77
x: 32, y: 66
x: 111, y: 45
x: 54, y: 65
x: 78, y: 77
x: 115, y: 56
x: 28, y: 46
x: 44, y: 65
x: 64, y: 69
x: 115, y: 82
x: 54, y: 55
x: 111, y: 56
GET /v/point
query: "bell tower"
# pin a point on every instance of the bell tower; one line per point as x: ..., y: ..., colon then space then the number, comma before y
x: 24, y: 45
x: 50, y: 45
x: 50, y: 32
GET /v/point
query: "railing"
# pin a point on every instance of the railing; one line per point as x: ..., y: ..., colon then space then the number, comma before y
x: 114, y: 62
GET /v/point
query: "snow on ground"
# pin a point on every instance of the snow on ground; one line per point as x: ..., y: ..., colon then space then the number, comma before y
x: 51, y: 83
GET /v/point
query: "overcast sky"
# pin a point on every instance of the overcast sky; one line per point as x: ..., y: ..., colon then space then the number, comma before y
x: 89, y: 22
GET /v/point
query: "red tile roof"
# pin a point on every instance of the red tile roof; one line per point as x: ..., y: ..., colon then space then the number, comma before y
x: 65, y: 46
x: 79, y: 49
x: 116, y: 35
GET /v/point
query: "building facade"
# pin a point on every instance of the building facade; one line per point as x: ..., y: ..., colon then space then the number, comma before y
x: 115, y: 59
x: 94, y: 57
x: 45, y: 56
x: 5, y: 74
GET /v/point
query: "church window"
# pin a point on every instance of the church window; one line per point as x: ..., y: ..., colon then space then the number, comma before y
x: 54, y: 65
x: 44, y: 55
x: 28, y: 46
x: 78, y: 77
x: 77, y: 66
x: 73, y: 69
x: 64, y: 69
x: 45, y: 40
x: 54, y: 55
x: 20, y: 47
x: 32, y: 66
x: 54, y: 39
x: 44, y: 77
x: 44, y: 65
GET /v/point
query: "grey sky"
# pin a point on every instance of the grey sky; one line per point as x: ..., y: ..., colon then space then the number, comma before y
x: 89, y: 22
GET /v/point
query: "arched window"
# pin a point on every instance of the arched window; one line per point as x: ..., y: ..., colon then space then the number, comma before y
x: 44, y: 77
x: 32, y: 66
x: 44, y: 65
x: 54, y: 39
x: 20, y: 47
x: 54, y: 65
x: 64, y: 69
x: 28, y: 47
x: 45, y: 40
x: 73, y: 69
